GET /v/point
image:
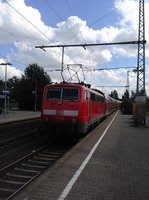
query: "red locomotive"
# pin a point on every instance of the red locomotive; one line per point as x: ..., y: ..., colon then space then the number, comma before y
x: 75, y: 106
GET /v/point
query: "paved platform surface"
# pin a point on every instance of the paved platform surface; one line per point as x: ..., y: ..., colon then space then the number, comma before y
x: 117, y: 168
x: 13, y: 116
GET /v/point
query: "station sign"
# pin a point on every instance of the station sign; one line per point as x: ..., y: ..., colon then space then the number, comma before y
x: 6, y: 92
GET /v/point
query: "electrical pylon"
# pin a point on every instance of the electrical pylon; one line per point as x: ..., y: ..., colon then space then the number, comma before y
x: 139, y: 108
x: 140, y: 91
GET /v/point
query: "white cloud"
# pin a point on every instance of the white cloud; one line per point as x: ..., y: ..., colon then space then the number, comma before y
x: 8, y: 71
x: 129, y: 11
x: 24, y: 37
x: 16, y: 28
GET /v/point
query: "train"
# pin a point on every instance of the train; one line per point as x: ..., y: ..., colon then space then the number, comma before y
x: 75, y: 106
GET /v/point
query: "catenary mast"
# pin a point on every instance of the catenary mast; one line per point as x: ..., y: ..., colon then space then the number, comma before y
x: 139, y: 109
x: 140, y: 91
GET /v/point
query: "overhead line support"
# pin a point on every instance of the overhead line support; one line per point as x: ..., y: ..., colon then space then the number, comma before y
x: 141, y: 52
x: 85, y: 45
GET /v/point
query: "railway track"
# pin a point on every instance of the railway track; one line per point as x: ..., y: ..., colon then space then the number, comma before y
x: 20, y: 173
x: 11, y: 142
x: 24, y: 155
x: 19, y: 139
x: 16, y: 129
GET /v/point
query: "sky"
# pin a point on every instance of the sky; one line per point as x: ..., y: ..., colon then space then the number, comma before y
x: 25, y: 24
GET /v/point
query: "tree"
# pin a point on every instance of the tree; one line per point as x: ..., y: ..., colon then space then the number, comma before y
x: 147, y: 104
x: 126, y: 105
x: 133, y: 95
x: 1, y: 86
x: 30, y: 88
x: 12, y: 85
x: 114, y: 94
x: 126, y: 95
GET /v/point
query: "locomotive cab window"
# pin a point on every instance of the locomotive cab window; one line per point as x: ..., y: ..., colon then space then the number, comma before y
x: 70, y: 94
x: 62, y: 93
x: 53, y: 93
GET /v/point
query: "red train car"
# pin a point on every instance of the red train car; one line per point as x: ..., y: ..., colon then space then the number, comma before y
x: 75, y: 106
x: 71, y: 105
x: 110, y: 105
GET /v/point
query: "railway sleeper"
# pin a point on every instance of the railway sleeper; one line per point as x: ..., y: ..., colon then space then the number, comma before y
x: 12, y: 182
x: 45, y: 159
x: 17, y: 176
x: 56, y: 155
x: 39, y: 162
x: 6, y: 192
x: 27, y: 170
x: 33, y: 166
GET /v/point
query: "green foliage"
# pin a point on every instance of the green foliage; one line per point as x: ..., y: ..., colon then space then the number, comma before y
x: 29, y: 88
x: 32, y: 84
x: 126, y: 105
x: 147, y: 104
x: 1, y: 85
x: 133, y: 95
x: 12, y: 85
x: 114, y: 95
x: 126, y: 95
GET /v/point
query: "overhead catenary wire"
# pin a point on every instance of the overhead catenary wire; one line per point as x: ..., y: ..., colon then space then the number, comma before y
x: 74, y: 34
x: 97, y: 69
x: 92, y: 44
x: 53, y: 10
x: 28, y: 21
x: 59, y: 17
x: 56, y: 13
x: 84, y: 45
x: 104, y: 16
x: 68, y: 6
x: 48, y: 39
x: 13, y: 60
x: 21, y: 24
x: 95, y: 21
x: 7, y: 31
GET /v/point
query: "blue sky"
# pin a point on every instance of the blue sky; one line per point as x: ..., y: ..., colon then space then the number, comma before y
x: 54, y: 11
x: 51, y: 22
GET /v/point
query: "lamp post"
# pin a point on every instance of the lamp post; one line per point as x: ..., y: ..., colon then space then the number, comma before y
x: 128, y: 80
x: 35, y: 96
x: 35, y: 107
x: 5, y: 89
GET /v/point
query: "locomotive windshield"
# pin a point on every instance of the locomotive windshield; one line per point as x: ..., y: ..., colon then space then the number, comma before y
x: 70, y: 94
x: 53, y: 93
x: 62, y: 93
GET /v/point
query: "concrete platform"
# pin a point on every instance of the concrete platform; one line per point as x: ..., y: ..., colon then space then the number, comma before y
x: 111, y: 163
x: 13, y: 116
